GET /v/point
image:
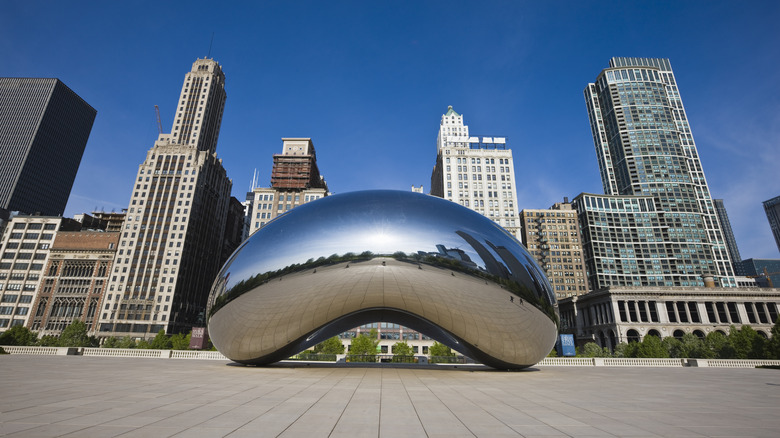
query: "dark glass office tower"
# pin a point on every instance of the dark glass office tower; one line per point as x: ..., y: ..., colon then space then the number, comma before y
x: 44, y: 127
x: 772, y: 208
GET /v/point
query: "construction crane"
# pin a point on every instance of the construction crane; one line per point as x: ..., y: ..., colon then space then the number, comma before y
x: 159, y: 122
x: 766, y: 275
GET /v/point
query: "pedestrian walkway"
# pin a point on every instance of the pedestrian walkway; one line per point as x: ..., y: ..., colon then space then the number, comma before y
x: 72, y: 396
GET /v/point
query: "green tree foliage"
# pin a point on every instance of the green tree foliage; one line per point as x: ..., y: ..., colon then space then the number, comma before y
x: 180, y: 341
x: 110, y: 342
x: 126, y: 342
x: 693, y: 347
x: 330, y: 346
x: 592, y: 349
x: 716, y: 345
x: 402, y: 352
x: 161, y: 341
x: 143, y: 344
x: 651, y: 346
x: 625, y: 350
x: 363, y: 347
x: 746, y: 343
x: 673, y: 346
x: 49, y: 341
x: 75, y: 335
x: 441, y: 353
x: 19, y: 336
x: 773, y: 345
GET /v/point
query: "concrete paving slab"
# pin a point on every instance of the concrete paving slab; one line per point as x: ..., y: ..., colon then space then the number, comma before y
x: 61, y: 396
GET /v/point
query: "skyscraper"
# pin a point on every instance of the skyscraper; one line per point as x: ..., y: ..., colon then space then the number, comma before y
x: 173, y: 238
x: 44, y: 127
x: 728, y: 234
x: 645, y: 148
x: 772, y: 208
x: 476, y: 172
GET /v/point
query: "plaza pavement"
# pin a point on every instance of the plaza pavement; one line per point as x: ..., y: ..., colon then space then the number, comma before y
x: 71, y: 396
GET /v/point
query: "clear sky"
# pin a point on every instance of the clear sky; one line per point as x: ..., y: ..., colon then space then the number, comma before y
x: 368, y: 81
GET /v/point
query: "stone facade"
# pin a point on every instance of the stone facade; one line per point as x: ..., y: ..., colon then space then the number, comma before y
x: 74, y: 281
x: 475, y: 172
x: 613, y: 315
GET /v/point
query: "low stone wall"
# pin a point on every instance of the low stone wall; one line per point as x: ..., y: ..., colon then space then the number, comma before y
x: 654, y: 362
x: 41, y: 351
x: 116, y: 352
x: 548, y: 361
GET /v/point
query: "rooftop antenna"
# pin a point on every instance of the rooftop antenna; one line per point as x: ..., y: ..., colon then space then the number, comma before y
x: 210, y: 44
x: 159, y: 122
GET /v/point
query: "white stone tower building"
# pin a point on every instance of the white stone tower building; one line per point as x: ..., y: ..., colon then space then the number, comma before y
x: 476, y: 172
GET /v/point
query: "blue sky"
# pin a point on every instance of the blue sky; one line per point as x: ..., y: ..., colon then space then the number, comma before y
x: 368, y: 81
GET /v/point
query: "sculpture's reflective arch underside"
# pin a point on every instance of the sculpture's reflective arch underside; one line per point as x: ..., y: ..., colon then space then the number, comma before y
x: 416, y: 260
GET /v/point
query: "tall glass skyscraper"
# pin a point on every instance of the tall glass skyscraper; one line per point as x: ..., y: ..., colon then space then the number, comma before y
x: 44, y: 127
x: 645, y: 148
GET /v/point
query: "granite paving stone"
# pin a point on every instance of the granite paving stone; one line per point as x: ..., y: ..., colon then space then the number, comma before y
x: 74, y: 396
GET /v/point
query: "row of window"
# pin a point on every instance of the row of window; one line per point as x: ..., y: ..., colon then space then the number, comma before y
x: 30, y: 236
x: 34, y: 226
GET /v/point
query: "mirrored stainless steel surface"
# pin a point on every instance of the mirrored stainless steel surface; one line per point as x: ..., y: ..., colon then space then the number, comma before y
x: 345, y: 260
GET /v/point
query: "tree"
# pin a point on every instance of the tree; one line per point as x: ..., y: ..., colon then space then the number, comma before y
x: 746, y: 343
x: 49, y: 341
x: 716, y: 346
x: 651, y: 346
x: 592, y: 349
x: 161, y: 341
x: 441, y: 353
x: 19, y: 336
x: 773, y: 345
x: 110, y: 342
x: 693, y: 347
x: 180, y: 341
x: 626, y: 350
x: 126, y: 342
x: 143, y: 344
x: 673, y: 346
x: 402, y: 352
x: 363, y: 347
x: 75, y: 335
x: 330, y: 346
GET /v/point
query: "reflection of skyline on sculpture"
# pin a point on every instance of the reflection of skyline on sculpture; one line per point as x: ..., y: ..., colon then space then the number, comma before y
x: 300, y: 242
x: 412, y: 259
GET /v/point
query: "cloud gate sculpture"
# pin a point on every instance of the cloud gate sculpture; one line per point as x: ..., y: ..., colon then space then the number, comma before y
x: 416, y: 260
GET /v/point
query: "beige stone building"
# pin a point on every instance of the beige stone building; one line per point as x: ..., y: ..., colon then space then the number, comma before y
x: 553, y: 238
x: 24, y: 248
x: 74, y: 281
x: 173, y: 239
x: 613, y: 315
x: 476, y: 172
